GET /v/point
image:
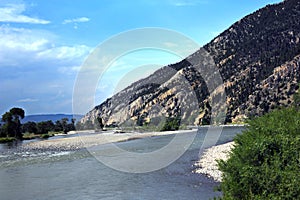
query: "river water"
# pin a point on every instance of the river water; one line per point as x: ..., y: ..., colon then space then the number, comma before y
x: 78, y: 175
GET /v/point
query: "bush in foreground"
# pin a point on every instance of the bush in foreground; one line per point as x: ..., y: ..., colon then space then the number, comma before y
x: 265, y: 163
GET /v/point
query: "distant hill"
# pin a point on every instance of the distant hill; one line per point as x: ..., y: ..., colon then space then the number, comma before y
x: 258, y: 58
x: 52, y: 117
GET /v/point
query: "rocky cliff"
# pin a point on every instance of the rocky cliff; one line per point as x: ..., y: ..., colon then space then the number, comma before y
x: 258, y: 58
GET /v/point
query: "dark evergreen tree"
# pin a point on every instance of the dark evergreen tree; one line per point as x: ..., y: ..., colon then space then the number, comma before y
x: 12, y: 126
x: 29, y: 127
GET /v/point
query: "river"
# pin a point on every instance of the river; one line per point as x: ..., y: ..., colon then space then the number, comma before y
x: 78, y: 175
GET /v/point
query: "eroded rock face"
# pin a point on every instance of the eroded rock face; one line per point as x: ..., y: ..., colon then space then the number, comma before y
x: 258, y: 58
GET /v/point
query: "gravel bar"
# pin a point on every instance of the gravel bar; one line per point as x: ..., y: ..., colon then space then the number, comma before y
x: 208, y: 162
x: 89, y: 140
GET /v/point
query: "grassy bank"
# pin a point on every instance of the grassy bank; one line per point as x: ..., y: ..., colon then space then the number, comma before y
x: 7, y: 139
x: 30, y: 136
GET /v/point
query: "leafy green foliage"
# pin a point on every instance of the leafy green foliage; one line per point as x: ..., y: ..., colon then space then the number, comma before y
x: 265, y: 162
x: 45, y: 127
x: 29, y: 136
x: 87, y: 125
x: 7, y: 139
x: 171, y: 124
x: 140, y: 120
x: 45, y: 136
x: 12, y: 126
x: 17, y: 113
x: 99, y: 123
x: 29, y: 127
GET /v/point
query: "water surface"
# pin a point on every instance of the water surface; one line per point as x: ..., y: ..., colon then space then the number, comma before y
x: 78, y: 175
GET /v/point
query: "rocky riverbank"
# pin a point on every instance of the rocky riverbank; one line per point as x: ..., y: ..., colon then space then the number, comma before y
x: 208, y: 162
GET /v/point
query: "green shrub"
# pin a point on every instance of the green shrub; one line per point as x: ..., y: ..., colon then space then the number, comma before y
x: 29, y: 136
x: 53, y: 133
x: 45, y: 136
x: 265, y: 163
x: 7, y: 139
x: 171, y: 124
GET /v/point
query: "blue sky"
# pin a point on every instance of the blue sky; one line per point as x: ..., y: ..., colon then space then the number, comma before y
x: 43, y: 43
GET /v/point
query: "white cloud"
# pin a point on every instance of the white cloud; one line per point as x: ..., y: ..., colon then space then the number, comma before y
x: 14, y: 13
x: 65, y: 52
x: 76, y: 20
x: 76, y: 68
x: 69, y: 70
x: 27, y: 100
x: 19, y: 46
x: 22, y: 39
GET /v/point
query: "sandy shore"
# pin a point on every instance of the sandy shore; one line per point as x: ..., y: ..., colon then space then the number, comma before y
x: 207, y: 164
x: 85, y: 140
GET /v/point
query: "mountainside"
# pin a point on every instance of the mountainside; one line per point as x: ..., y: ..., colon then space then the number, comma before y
x: 258, y: 58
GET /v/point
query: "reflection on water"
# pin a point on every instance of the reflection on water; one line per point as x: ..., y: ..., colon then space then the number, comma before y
x: 10, y: 145
x: 78, y: 175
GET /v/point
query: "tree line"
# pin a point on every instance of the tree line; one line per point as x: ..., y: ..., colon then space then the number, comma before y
x: 12, y: 126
